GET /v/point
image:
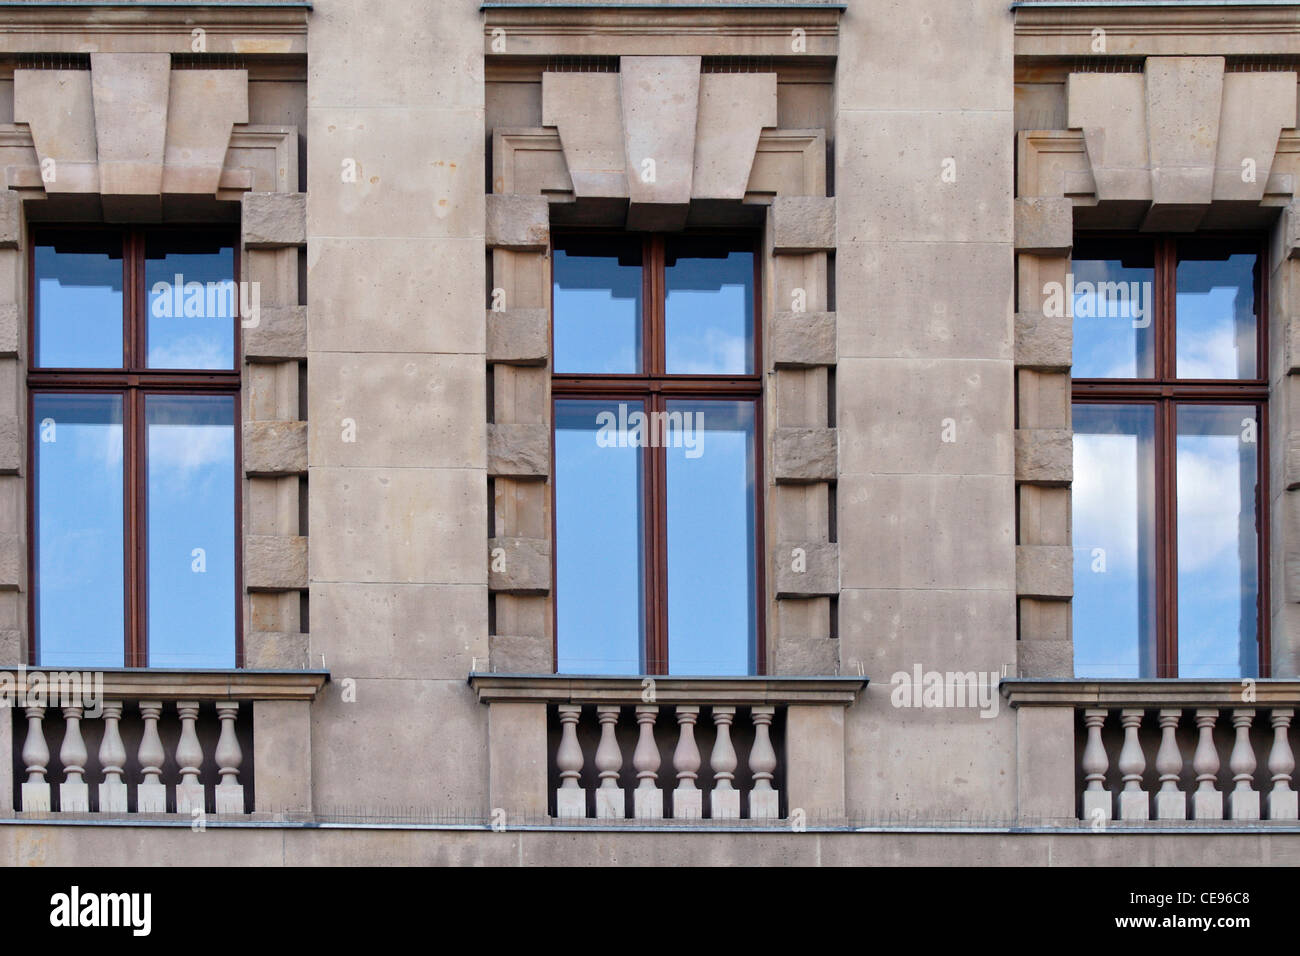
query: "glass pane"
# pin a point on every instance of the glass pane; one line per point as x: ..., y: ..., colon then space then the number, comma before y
x: 1218, y: 550
x: 80, y: 615
x: 709, y: 311
x: 596, y: 303
x: 192, y: 302
x: 1216, y: 312
x: 78, y: 301
x: 712, y: 603
x: 1113, y: 499
x: 599, y: 538
x: 1110, y: 292
x: 190, y: 448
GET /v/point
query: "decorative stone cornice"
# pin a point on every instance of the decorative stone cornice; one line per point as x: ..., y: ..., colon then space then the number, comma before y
x: 562, y: 688
x: 152, y: 684
x: 1166, y: 692
x: 1147, y: 29
x: 228, y: 28
x: 758, y: 29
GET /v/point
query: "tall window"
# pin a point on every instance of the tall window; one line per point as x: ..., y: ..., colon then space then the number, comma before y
x: 134, y: 390
x: 657, y: 475
x: 1170, y: 431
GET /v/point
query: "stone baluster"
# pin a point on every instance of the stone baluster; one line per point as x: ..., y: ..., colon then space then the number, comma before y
x: 1171, y: 803
x: 74, y: 792
x: 229, y: 755
x: 1243, y: 801
x: 647, y: 799
x: 570, y: 798
x: 1207, y: 801
x: 611, y: 803
x: 1096, y: 798
x: 112, y: 758
x: 764, y: 800
x: 36, y: 758
x: 151, y: 795
x: 1134, y: 802
x: 688, y: 799
x: 724, y: 801
x: 1282, y: 800
x: 189, y: 757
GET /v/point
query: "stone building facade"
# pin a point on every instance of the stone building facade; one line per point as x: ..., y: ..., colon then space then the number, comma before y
x: 398, y: 182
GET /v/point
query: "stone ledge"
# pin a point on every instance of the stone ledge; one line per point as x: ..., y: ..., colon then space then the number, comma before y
x: 275, y: 562
x: 804, y: 454
x: 1045, y: 456
x: 518, y: 223
x: 821, y: 576
x: 1044, y: 343
x: 519, y: 451
x: 1148, y: 692
x: 1044, y: 571
x: 803, y: 339
x: 519, y: 565
x: 802, y: 224
x: 518, y: 337
x: 274, y: 220
x: 273, y: 448
x: 279, y: 336
x: 1045, y: 226
x: 139, y: 683
x: 577, y: 689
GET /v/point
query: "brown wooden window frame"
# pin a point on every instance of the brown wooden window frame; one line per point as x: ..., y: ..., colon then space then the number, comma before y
x: 655, y: 387
x: 1164, y: 391
x: 134, y: 382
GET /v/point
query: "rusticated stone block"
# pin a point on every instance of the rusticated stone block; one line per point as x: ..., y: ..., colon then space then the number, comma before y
x: 275, y: 562
x: 11, y: 561
x: 274, y: 220
x: 1045, y: 226
x: 519, y: 565
x: 803, y: 339
x: 519, y: 451
x: 1292, y: 460
x: 11, y: 220
x: 280, y: 334
x: 518, y: 337
x: 275, y: 448
x: 276, y: 650
x: 11, y: 446
x: 1045, y: 658
x: 1045, y: 455
x: 806, y: 569
x: 1044, y: 571
x: 515, y: 654
x: 521, y: 223
x: 1044, y: 342
x: 804, y: 454
x: 11, y: 648
x: 807, y: 657
x: 802, y: 224
x: 1293, y: 229
x: 9, y: 330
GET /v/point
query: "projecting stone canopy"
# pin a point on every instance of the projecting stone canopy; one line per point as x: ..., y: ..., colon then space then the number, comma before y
x: 659, y: 133
x: 131, y: 126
